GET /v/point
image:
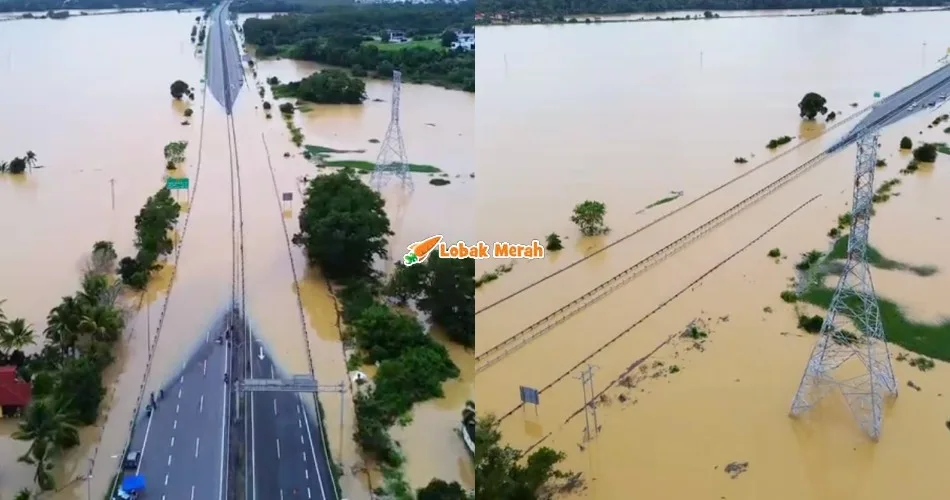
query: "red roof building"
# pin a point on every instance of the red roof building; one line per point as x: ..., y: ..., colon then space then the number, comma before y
x: 14, y: 392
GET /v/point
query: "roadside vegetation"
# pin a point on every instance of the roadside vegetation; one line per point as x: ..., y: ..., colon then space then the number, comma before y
x: 152, y: 240
x: 357, y: 40
x: 174, y: 153
x: 66, y: 374
x: 19, y: 164
x: 344, y: 231
x: 589, y: 217
x: 330, y: 86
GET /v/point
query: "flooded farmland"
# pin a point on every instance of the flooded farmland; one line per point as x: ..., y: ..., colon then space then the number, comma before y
x: 667, y: 107
x: 92, y: 101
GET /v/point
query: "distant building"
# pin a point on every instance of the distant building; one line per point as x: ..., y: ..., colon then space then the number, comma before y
x: 15, y: 394
x: 396, y: 36
x: 464, y: 41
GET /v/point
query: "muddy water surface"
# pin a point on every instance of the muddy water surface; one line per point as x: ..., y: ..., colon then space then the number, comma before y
x: 628, y: 141
x: 107, y: 118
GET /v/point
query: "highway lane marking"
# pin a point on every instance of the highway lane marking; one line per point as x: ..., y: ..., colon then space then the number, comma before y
x: 301, y: 439
x: 281, y: 494
x: 175, y: 425
x: 169, y: 461
x: 275, y: 406
x: 179, y: 391
x: 323, y: 492
x: 201, y: 403
x: 192, y: 492
x: 177, y: 407
x: 278, y: 448
x: 204, y: 367
x: 148, y: 427
x: 197, y: 441
x: 173, y: 441
x: 299, y: 424
x: 304, y: 456
x: 272, y: 372
x: 306, y: 474
x: 181, y: 380
x: 166, y: 479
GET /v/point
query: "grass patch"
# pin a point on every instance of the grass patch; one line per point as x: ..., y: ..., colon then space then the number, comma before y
x: 740, y: 160
x: 490, y: 276
x: 775, y: 253
x: 840, y: 251
x: 664, y: 200
x: 931, y: 340
x: 430, y: 44
x: 789, y: 296
x: 439, y: 182
x: 881, y: 163
x: 368, y: 166
x: 323, y: 150
x: 942, y: 147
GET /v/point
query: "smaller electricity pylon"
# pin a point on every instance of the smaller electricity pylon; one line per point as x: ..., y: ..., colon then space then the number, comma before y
x: 869, y: 376
x: 391, y: 161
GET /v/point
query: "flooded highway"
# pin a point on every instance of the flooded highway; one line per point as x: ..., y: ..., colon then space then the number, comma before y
x: 88, y: 134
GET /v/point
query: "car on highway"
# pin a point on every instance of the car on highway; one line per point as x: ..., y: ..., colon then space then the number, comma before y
x: 131, y: 460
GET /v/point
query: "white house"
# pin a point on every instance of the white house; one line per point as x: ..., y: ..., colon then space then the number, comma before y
x: 397, y: 36
x: 465, y: 41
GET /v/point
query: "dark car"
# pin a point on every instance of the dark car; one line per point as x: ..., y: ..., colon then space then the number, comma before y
x: 131, y: 460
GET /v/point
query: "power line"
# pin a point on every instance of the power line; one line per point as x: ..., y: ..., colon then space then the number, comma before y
x: 668, y: 215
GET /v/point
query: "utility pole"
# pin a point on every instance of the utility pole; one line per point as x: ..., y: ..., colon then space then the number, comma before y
x: 112, y: 189
x: 590, y: 408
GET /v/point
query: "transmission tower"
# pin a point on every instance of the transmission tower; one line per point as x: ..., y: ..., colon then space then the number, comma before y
x: 590, y: 405
x: 391, y: 161
x: 869, y: 375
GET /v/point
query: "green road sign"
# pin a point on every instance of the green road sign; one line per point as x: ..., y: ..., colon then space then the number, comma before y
x: 176, y: 183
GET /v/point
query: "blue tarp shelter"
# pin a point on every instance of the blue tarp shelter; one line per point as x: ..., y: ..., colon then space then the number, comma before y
x: 133, y: 484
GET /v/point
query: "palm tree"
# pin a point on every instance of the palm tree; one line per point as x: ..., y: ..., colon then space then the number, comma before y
x: 46, y: 422
x: 30, y: 159
x: 4, y: 166
x: 16, y: 335
x: 63, y: 324
x: 40, y: 455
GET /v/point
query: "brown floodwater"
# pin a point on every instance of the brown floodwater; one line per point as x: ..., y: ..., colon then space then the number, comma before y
x: 627, y: 128
x: 92, y: 102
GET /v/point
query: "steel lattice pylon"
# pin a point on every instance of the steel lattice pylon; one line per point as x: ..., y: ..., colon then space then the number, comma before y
x: 854, y: 299
x: 391, y: 161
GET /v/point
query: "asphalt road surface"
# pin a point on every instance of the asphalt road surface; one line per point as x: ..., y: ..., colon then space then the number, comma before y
x: 938, y: 82
x: 223, y: 53
x: 289, y: 453
x: 182, y: 441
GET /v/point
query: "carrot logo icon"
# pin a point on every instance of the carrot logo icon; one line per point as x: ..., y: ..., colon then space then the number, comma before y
x: 420, y: 250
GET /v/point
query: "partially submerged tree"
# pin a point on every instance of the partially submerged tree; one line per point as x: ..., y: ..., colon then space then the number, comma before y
x: 179, y: 89
x: 811, y: 105
x: 926, y: 153
x: 589, y: 217
x: 343, y: 225
x: 906, y: 143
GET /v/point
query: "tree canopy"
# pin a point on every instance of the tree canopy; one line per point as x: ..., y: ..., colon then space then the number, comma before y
x: 152, y: 224
x: 438, y: 489
x: 343, y: 225
x: 502, y: 473
x: 343, y: 37
x: 330, y: 86
x: 926, y: 153
x: 554, y: 9
x: 589, y: 217
x: 812, y: 105
x: 444, y: 289
x: 179, y: 89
